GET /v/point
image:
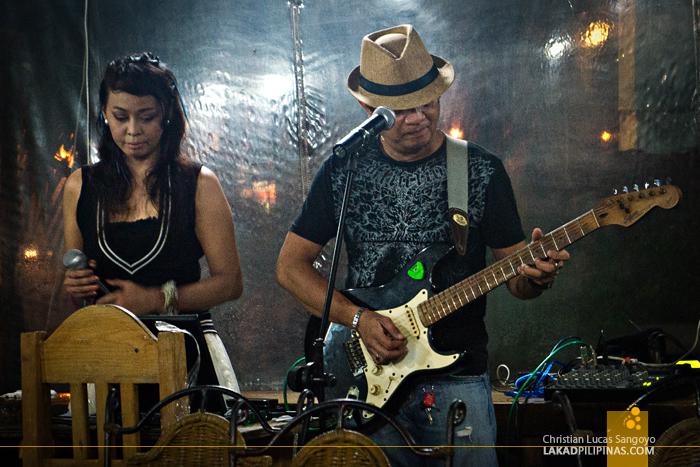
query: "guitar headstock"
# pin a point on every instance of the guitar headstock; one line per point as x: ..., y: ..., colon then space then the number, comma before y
x: 628, y: 207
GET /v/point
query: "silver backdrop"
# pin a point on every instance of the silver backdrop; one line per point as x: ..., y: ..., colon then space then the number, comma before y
x: 549, y: 86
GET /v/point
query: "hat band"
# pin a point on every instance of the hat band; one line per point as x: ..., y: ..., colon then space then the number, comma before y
x: 394, y: 90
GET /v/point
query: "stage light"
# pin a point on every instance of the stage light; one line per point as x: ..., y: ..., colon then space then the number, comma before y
x: 596, y: 34
x: 557, y: 46
x: 605, y: 136
x: 275, y: 86
x: 63, y: 155
x: 456, y: 133
x: 264, y: 192
x: 31, y: 253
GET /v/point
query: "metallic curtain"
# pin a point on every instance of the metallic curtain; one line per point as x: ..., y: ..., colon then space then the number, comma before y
x: 577, y: 97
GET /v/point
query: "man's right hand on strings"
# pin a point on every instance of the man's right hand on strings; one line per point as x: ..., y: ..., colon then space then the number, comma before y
x: 382, y: 338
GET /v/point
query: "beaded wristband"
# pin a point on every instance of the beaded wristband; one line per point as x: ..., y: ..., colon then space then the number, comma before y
x: 170, y: 292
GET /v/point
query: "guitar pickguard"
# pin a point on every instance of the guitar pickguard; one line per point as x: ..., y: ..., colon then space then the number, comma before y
x: 383, y: 380
x: 349, y: 361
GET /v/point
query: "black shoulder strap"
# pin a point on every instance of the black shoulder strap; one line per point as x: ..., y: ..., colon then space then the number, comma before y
x: 458, y: 191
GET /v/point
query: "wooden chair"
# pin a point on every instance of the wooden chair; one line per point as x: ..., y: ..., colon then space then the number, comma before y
x: 341, y: 446
x: 199, y: 439
x: 678, y: 445
x: 105, y: 345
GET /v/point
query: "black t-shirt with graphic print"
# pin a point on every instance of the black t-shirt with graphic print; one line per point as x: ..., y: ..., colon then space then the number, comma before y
x: 396, y: 209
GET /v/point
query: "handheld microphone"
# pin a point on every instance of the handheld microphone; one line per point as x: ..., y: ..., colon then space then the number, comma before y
x: 75, y: 260
x: 383, y: 118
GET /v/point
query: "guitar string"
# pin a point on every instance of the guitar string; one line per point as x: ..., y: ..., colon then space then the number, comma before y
x: 445, y: 297
x: 586, y: 224
x: 404, y: 321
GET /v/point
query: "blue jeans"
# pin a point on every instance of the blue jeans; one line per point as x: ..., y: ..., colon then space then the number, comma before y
x: 475, y: 438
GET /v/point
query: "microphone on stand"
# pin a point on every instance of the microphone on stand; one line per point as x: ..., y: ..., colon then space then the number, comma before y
x: 383, y: 118
x: 75, y: 260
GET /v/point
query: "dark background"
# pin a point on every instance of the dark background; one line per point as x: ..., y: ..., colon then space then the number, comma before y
x: 538, y: 83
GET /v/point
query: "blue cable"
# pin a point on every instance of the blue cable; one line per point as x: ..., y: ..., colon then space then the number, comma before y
x: 535, y: 392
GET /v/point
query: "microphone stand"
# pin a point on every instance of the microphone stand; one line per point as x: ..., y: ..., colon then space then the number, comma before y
x: 322, y: 379
x: 313, y: 375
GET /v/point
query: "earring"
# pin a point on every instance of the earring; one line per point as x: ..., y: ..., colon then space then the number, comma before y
x: 106, y: 122
x: 167, y: 122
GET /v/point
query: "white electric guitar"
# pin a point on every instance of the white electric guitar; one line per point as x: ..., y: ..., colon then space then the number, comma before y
x: 413, y: 305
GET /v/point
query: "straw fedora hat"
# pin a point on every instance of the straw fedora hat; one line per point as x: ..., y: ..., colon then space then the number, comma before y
x: 397, y: 71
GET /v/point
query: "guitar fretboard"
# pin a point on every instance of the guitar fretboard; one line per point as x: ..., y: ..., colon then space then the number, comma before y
x: 442, y: 304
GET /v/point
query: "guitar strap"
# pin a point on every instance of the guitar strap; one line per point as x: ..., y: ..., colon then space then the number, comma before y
x: 458, y: 191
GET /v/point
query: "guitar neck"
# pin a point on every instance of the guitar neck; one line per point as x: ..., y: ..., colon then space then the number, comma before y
x: 449, y: 300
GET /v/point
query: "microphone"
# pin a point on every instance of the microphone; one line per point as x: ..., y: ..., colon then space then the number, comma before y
x: 75, y: 260
x: 383, y: 118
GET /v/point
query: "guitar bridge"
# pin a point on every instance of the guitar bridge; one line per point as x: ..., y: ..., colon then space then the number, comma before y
x: 356, y: 359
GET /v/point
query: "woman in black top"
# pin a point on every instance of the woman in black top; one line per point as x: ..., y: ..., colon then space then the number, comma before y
x: 144, y: 214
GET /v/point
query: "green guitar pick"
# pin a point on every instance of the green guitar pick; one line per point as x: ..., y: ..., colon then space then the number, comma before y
x: 417, y: 272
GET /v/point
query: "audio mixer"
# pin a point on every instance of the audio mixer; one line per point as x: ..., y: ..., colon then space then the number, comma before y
x: 612, y: 383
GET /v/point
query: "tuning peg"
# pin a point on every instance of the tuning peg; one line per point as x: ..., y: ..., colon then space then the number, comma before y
x: 625, y: 190
x: 668, y: 180
x: 636, y: 187
x: 657, y: 182
x: 646, y: 185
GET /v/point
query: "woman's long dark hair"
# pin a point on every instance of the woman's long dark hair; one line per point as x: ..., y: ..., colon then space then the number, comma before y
x: 141, y: 75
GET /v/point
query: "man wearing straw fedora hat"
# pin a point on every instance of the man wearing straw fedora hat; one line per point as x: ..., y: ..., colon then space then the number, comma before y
x: 399, y: 206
